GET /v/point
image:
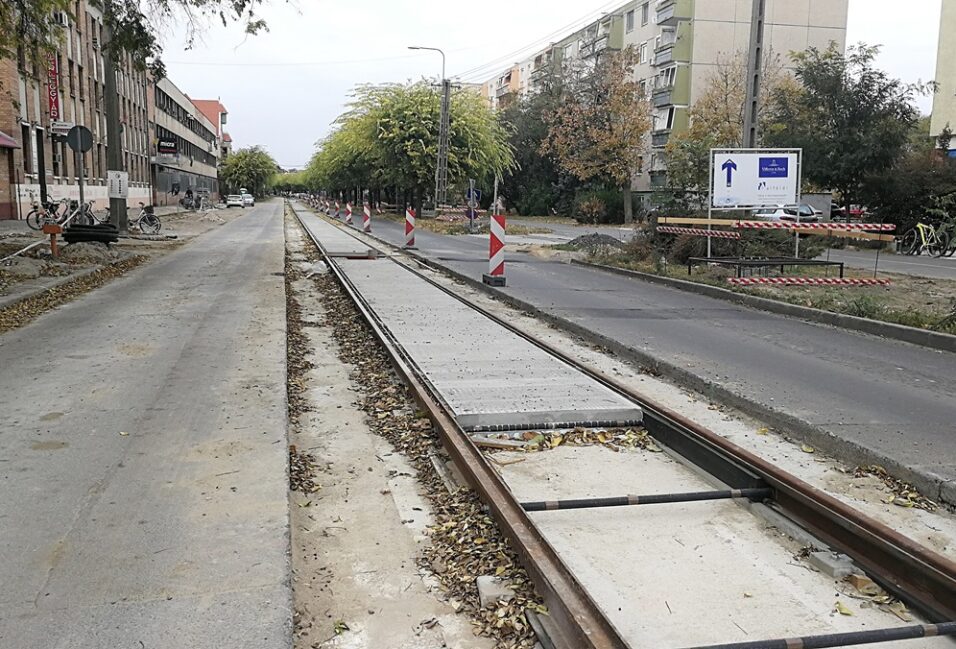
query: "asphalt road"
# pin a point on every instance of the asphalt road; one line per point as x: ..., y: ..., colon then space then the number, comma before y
x: 881, y: 398
x: 143, y: 493
x: 923, y: 266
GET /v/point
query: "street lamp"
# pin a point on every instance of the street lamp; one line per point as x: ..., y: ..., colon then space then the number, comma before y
x: 441, y: 170
x: 433, y: 49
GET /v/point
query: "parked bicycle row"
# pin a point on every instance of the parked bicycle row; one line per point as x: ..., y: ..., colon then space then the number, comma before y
x: 938, y: 241
x: 66, y: 213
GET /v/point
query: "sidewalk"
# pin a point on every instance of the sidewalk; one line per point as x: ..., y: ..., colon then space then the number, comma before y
x: 144, y: 499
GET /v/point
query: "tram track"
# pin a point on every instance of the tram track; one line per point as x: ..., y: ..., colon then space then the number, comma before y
x: 922, y: 578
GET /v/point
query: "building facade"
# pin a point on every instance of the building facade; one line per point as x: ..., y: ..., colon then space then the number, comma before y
x: 944, y: 101
x: 187, y: 147
x: 68, y: 88
x: 679, y: 44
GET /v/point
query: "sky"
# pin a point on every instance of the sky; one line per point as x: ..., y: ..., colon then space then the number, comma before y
x: 285, y: 88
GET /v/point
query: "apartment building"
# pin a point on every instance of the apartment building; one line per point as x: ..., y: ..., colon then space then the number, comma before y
x: 944, y: 101
x: 679, y: 44
x: 39, y: 99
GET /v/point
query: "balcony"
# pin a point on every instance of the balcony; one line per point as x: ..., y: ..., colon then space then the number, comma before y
x: 664, y: 54
x: 660, y: 137
x: 502, y: 91
x: 658, y: 179
x: 662, y: 97
x: 671, y: 12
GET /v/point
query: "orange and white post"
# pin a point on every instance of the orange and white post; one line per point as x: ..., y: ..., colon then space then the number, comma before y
x: 409, y: 228
x: 496, y: 252
x: 367, y: 218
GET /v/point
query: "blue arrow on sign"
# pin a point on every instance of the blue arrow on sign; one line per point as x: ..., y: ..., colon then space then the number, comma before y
x: 730, y: 167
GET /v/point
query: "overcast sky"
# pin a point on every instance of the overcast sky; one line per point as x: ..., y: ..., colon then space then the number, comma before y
x: 284, y: 88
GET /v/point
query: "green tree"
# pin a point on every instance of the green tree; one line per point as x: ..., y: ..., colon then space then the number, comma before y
x: 252, y: 168
x: 135, y: 24
x: 851, y: 119
x: 597, y: 133
x: 389, y: 138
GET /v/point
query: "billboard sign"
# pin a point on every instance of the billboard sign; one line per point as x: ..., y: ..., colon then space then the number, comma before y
x: 749, y: 178
x: 167, y: 146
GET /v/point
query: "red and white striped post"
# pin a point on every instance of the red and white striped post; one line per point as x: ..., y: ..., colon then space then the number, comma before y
x: 367, y: 218
x: 409, y: 229
x: 348, y: 214
x: 336, y: 209
x: 496, y: 252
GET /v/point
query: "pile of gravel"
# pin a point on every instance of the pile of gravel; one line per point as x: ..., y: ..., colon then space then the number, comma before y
x: 595, y: 242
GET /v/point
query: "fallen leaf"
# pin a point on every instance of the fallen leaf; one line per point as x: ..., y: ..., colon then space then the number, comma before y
x: 841, y: 608
x: 763, y: 431
x: 124, y: 434
x: 340, y: 627
x: 806, y: 448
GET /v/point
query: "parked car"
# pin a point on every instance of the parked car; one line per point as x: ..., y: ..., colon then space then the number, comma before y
x: 248, y: 200
x: 234, y: 200
x: 807, y: 214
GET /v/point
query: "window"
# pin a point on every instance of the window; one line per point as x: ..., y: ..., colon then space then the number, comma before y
x: 26, y: 139
x: 645, y: 12
x: 643, y: 85
x: 670, y: 117
x: 642, y: 53
x: 630, y: 20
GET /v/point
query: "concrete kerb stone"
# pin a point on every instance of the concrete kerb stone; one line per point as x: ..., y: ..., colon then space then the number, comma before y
x: 912, y: 335
x: 13, y: 299
x: 847, y: 451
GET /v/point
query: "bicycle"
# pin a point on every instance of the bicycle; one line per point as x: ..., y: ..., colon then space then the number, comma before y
x: 925, y: 237
x: 147, y: 222
x: 48, y: 213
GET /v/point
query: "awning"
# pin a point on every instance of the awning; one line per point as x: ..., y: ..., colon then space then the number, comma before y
x: 7, y: 142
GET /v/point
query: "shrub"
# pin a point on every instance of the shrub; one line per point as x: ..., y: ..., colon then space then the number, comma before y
x: 611, y: 202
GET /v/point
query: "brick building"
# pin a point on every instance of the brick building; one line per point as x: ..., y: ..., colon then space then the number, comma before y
x: 68, y: 87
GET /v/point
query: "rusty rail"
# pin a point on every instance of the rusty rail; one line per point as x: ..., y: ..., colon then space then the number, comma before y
x: 579, y: 622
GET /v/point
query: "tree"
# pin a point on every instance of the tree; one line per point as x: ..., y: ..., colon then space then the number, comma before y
x: 717, y: 119
x: 27, y: 24
x: 851, y: 119
x: 389, y: 138
x: 536, y: 185
x: 251, y: 168
x: 598, y: 131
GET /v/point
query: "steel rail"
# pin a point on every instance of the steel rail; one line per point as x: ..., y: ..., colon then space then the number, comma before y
x: 924, y: 579
x: 579, y: 622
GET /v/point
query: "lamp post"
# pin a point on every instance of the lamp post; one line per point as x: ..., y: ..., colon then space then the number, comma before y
x: 441, y: 169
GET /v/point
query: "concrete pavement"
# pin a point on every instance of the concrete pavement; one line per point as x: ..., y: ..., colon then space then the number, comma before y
x: 864, y: 398
x: 143, y: 456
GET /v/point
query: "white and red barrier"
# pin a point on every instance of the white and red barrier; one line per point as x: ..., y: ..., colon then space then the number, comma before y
x: 348, y: 214
x: 698, y: 232
x: 835, y: 227
x: 410, y: 228
x: 337, y: 209
x: 496, y: 252
x: 366, y: 218
x: 807, y: 281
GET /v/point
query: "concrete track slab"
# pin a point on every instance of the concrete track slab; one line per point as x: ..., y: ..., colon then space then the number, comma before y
x: 143, y: 489
x: 335, y: 242
x: 871, y: 400
x: 489, y: 377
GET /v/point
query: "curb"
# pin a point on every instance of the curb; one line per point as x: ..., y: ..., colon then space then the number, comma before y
x: 7, y: 301
x: 912, y: 335
x: 933, y: 486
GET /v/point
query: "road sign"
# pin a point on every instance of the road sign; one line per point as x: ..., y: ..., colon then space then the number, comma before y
x: 754, y: 178
x: 476, y: 193
x: 118, y: 183
x: 60, y: 128
x: 80, y: 139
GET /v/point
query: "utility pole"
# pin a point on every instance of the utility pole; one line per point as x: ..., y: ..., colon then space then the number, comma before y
x: 754, y: 72
x: 114, y: 138
x: 441, y: 173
